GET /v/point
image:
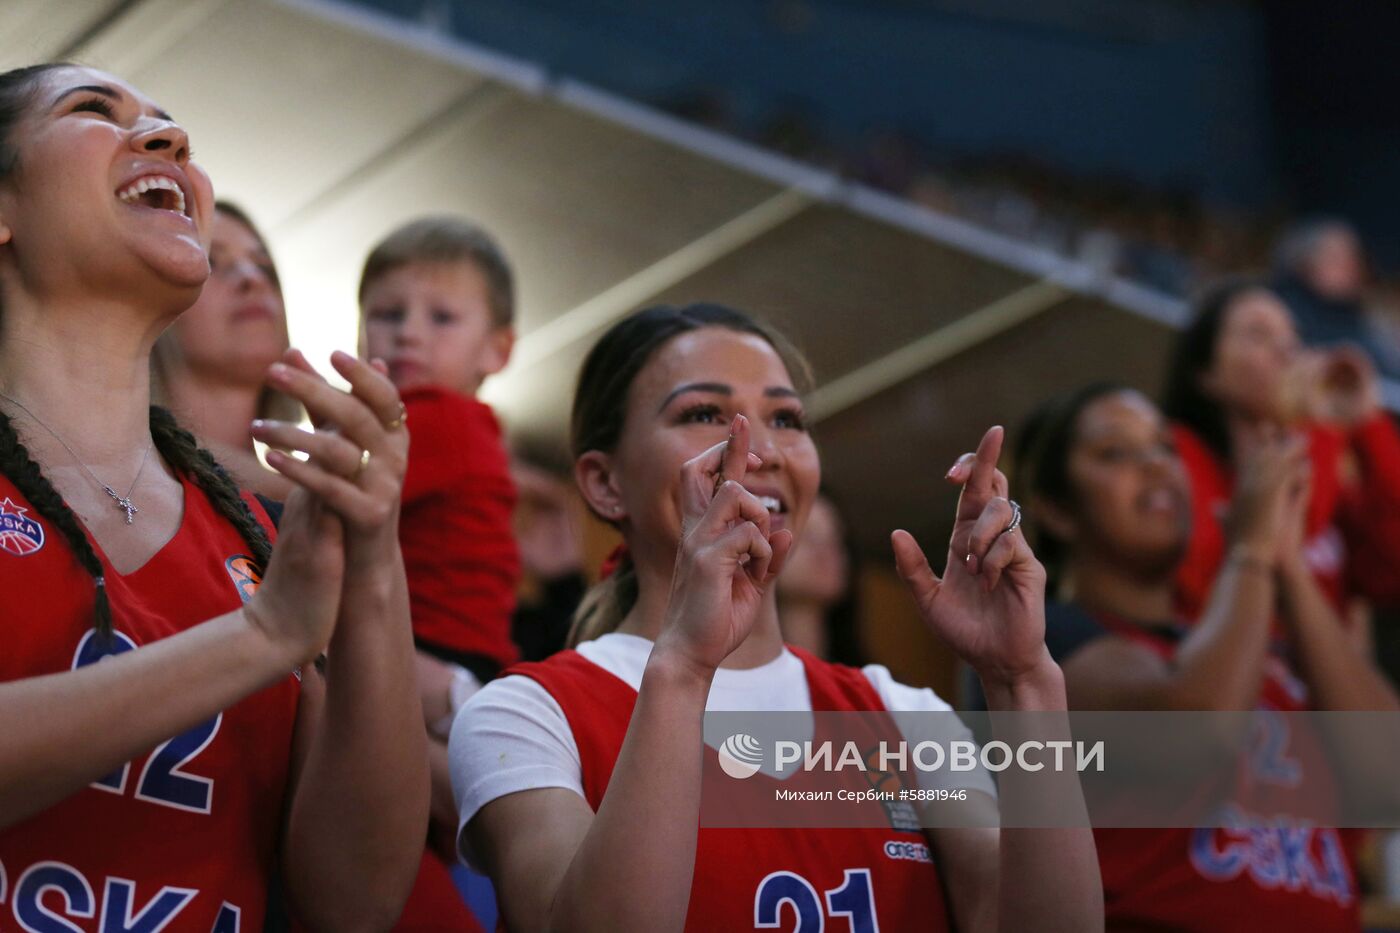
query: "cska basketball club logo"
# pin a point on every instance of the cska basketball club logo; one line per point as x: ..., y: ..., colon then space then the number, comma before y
x: 19, y: 534
x: 244, y: 574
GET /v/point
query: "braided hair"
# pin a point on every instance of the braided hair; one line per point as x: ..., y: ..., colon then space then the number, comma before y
x: 179, y: 448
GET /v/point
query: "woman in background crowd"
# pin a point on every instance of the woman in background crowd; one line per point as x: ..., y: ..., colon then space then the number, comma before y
x: 817, y: 592
x: 1107, y: 497
x: 1239, y: 374
x: 210, y: 366
x: 551, y: 556
x: 1322, y: 274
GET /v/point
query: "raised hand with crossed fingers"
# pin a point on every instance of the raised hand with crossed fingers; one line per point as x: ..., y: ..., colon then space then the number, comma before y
x: 989, y: 605
x: 727, y: 557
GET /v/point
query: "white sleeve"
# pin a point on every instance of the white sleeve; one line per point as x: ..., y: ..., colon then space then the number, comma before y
x: 942, y: 728
x: 510, y: 736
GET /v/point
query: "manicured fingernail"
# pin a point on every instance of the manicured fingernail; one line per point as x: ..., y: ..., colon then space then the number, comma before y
x: 755, y: 460
x: 259, y: 424
x: 280, y: 372
x: 972, y: 564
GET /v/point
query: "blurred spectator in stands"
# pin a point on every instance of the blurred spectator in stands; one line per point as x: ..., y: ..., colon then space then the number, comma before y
x: 1322, y: 274
x: 210, y: 366
x: 817, y: 590
x: 551, y: 556
x: 1239, y: 369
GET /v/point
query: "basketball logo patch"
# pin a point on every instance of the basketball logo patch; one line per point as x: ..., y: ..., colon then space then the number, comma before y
x: 245, y: 575
x: 19, y: 534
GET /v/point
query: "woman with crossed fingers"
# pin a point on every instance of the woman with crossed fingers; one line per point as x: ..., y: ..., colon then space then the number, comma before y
x: 579, y: 778
x: 167, y: 744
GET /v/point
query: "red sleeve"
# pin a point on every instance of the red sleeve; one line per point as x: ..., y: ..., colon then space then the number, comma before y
x: 1369, y: 511
x: 1326, y: 449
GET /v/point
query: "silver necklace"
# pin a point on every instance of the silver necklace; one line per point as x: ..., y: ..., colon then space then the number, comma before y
x: 123, y: 502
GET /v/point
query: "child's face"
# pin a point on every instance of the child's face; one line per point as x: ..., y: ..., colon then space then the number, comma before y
x: 431, y: 323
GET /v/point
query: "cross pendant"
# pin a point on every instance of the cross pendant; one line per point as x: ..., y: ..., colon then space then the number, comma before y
x: 126, y: 506
x: 123, y: 503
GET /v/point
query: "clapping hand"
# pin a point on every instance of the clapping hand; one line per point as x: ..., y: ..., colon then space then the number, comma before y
x: 358, y: 450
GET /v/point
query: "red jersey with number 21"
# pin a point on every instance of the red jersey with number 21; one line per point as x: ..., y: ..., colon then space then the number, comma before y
x: 806, y: 880
x: 182, y: 838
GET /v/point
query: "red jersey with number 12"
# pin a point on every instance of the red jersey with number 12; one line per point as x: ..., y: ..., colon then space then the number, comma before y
x: 182, y: 838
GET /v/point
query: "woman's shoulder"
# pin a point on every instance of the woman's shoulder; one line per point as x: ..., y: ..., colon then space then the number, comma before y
x: 511, y: 736
x: 1069, y: 627
x: 515, y: 695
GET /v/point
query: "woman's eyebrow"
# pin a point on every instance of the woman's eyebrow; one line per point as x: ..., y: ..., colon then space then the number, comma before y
x: 105, y: 91
x: 717, y: 388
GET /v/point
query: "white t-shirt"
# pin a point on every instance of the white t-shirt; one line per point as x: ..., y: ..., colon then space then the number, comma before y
x: 512, y: 735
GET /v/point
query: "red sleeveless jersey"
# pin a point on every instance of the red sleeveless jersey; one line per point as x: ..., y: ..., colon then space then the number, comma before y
x: 1290, y: 877
x: 864, y: 880
x: 184, y: 837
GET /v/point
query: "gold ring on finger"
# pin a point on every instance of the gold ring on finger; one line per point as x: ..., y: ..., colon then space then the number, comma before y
x: 364, y: 462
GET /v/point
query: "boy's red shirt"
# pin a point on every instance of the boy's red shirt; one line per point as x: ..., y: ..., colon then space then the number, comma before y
x: 455, y: 527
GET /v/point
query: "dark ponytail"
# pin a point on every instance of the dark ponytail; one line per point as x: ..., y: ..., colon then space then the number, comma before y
x: 1040, y: 469
x: 183, y: 453
x: 1184, y: 399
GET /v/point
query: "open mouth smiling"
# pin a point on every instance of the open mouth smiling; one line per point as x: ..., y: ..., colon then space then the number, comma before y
x: 157, y: 192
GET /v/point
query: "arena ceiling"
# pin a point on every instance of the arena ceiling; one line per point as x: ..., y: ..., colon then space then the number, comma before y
x: 331, y: 125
